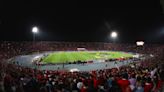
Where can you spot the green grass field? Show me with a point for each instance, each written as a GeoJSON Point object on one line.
{"type": "Point", "coordinates": [73, 56]}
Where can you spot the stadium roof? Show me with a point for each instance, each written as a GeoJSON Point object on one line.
{"type": "Point", "coordinates": [65, 21]}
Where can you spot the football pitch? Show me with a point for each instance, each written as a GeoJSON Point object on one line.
{"type": "Point", "coordinates": [83, 56]}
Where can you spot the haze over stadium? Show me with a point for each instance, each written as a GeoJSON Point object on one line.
{"type": "Point", "coordinates": [61, 47]}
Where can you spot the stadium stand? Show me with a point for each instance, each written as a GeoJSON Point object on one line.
{"type": "Point", "coordinates": [145, 76]}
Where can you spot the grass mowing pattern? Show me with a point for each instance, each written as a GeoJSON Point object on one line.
{"type": "Point", "coordinates": [73, 56]}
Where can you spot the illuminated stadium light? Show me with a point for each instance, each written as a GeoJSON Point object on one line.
{"type": "Point", "coordinates": [114, 34]}
{"type": "Point", "coordinates": [140, 43]}
{"type": "Point", "coordinates": [35, 30]}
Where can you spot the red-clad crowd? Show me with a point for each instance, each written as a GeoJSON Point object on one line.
{"type": "Point", "coordinates": [144, 76]}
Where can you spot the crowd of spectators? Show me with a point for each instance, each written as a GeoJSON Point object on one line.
{"type": "Point", "coordinates": [144, 76]}
{"type": "Point", "coordinates": [10, 49]}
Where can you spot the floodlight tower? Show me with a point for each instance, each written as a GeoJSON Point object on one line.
{"type": "Point", "coordinates": [113, 35]}
{"type": "Point", "coordinates": [34, 31]}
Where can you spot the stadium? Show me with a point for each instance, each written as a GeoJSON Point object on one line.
{"type": "Point", "coordinates": [46, 59]}
{"type": "Point", "coordinates": [66, 47]}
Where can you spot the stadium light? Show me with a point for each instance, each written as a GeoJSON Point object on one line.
{"type": "Point", "coordinates": [35, 30]}
{"type": "Point", "coordinates": [114, 34]}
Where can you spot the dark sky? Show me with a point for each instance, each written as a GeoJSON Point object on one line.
{"type": "Point", "coordinates": [83, 21]}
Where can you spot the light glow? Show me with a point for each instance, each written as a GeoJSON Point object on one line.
{"type": "Point", "coordinates": [113, 34]}
{"type": "Point", "coordinates": [35, 30]}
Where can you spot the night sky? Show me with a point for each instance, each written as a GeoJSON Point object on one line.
{"type": "Point", "coordinates": [83, 21]}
